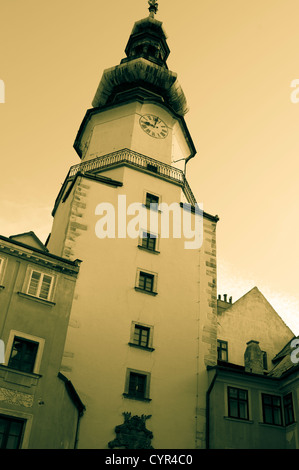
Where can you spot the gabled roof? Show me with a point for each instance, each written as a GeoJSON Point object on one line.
{"type": "Point", "coordinates": [283, 361]}
{"type": "Point", "coordinates": [255, 294]}
{"type": "Point", "coordinates": [30, 239]}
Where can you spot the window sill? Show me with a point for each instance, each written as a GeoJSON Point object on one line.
{"type": "Point", "coordinates": [151, 208]}
{"type": "Point", "coordinates": [146, 348]}
{"type": "Point", "coordinates": [277, 426]}
{"type": "Point", "coordinates": [37, 299]}
{"type": "Point", "coordinates": [132, 397]}
{"type": "Point", "coordinates": [154, 252]}
{"type": "Point", "coordinates": [238, 420]}
{"type": "Point", "coordinates": [138, 289]}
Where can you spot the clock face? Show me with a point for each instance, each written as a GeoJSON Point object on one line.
{"type": "Point", "coordinates": [153, 126]}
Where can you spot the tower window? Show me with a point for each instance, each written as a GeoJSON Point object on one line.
{"type": "Point", "coordinates": [23, 354]}
{"type": "Point", "coordinates": [152, 201]}
{"type": "Point", "coordinates": [146, 281]}
{"type": "Point", "coordinates": [141, 336]}
{"type": "Point", "coordinates": [137, 385]}
{"type": "Point", "coordinates": [149, 241]}
{"type": "Point", "coordinates": [11, 431]}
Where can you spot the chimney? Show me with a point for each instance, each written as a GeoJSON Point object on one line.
{"type": "Point", "coordinates": [253, 358]}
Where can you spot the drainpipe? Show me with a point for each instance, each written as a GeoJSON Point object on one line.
{"type": "Point", "coordinates": [80, 414]}
{"type": "Point", "coordinates": [208, 410]}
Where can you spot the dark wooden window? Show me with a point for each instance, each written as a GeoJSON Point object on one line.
{"type": "Point", "coordinates": [222, 350]}
{"type": "Point", "coordinates": [288, 409]}
{"type": "Point", "coordinates": [149, 241]}
{"type": "Point", "coordinates": [141, 335]}
{"type": "Point", "coordinates": [237, 403]}
{"type": "Point", "coordinates": [146, 281]}
{"type": "Point", "coordinates": [137, 385]}
{"type": "Point", "coordinates": [23, 354]}
{"type": "Point", "coordinates": [11, 431]}
{"type": "Point", "coordinates": [272, 412]}
{"type": "Point", "coordinates": [152, 201]}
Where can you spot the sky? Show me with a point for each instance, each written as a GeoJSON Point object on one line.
{"type": "Point", "coordinates": [235, 60]}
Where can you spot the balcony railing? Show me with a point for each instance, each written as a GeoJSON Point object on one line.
{"type": "Point", "coordinates": [140, 161]}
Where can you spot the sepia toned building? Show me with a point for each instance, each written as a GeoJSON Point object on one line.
{"type": "Point", "coordinates": [143, 325]}
{"type": "Point", "coordinates": [252, 399]}
{"type": "Point", "coordinates": [39, 407]}
{"type": "Point", "coordinates": [132, 349]}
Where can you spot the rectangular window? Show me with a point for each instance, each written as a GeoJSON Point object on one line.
{"type": "Point", "coordinates": [40, 285]}
{"type": "Point", "coordinates": [222, 350]}
{"type": "Point", "coordinates": [149, 241]}
{"type": "Point", "coordinates": [288, 409]}
{"type": "Point", "coordinates": [272, 412]}
{"type": "Point", "coordinates": [151, 201]}
{"type": "Point", "coordinates": [137, 385]}
{"type": "Point", "coordinates": [23, 354]}
{"type": "Point", "coordinates": [11, 431]}
{"type": "Point", "coordinates": [141, 336]}
{"type": "Point", "coordinates": [146, 281]}
{"type": "Point", "coordinates": [237, 403]}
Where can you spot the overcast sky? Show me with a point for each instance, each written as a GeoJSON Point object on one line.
{"type": "Point", "coordinates": [235, 61]}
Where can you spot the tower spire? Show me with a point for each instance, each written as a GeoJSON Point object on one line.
{"type": "Point", "coordinates": [153, 8]}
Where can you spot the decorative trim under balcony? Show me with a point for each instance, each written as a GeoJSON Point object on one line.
{"type": "Point", "coordinates": [143, 162]}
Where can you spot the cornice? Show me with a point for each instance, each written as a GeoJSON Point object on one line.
{"type": "Point", "coordinates": [42, 258]}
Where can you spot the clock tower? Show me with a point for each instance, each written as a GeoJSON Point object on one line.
{"type": "Point", "coordinates": [143, 324]}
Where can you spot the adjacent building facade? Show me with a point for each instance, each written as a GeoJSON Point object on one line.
{"type": "Point", "coordinates": [39, 407]}
{"type": "Point", "coordinates": [252, 399]}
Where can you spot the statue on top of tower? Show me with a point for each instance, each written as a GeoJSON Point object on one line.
{"type": "Point", "coordinates": [153, 7]}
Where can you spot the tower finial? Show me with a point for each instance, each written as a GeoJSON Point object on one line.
{"type": "Point", "coordinates": [153, 7]}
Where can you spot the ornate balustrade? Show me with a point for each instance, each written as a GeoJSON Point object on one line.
{"type": "Point", "coordinates": [138, 160]}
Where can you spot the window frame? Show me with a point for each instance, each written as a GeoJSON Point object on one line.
{"type": "Point", "coordinates": [146, 394]}
{"type": "Point", "coordinates": [23, 352]}
{"type": "Point", "coordinates": [147, 275]}
{"type": "Point", "coordinates": [9, 420]}
{"type": "Point", "coordinates": [149, 328]}
{"type": "Point", "coordinates": [286, 409]}
{"type": "Point", "coordinates": [152, 196]}
{"type": "Point", "coordinates": [40, 284]}
{"type": "Point", "coordinates": [149, 236]}
{"type": "Point", "coordinates": [272, 407]}
{"type": "Point", "coordinates": [239, 401]}
{"type": "Point", "coordinates": [19, 334]}
{"type": "Point", "coordinates": [220, 349]}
